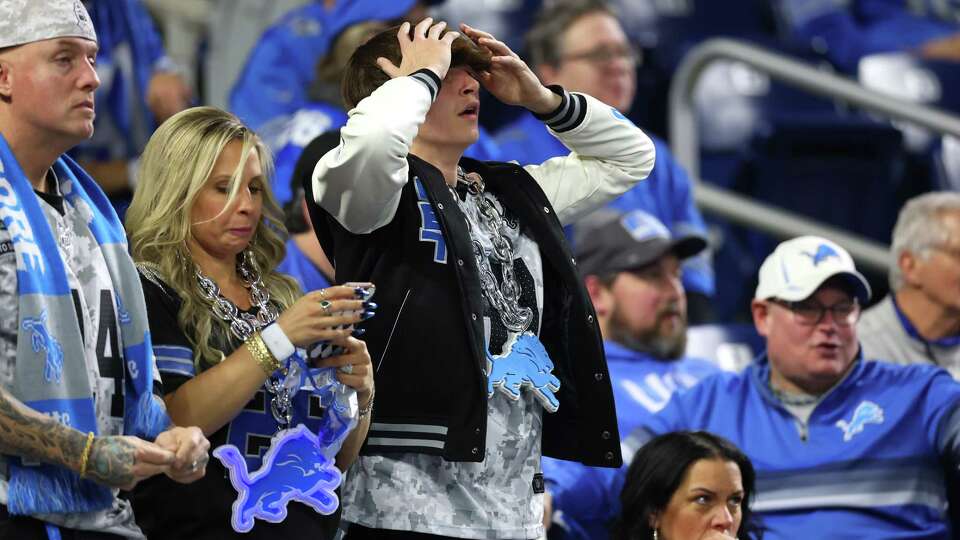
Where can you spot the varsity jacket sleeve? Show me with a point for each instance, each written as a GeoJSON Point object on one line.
{"type": "Point", "coordinates": [359, 182]}
{"type": "Point", "coordinates": [608, 156]}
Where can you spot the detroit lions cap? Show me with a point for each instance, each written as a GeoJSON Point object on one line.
{"type": "Point", "coordinates": [607, 242]}
{"type": "Point", "coordinates": [798, 267]}
{"type": "Point", "coordinates": [26, 21]}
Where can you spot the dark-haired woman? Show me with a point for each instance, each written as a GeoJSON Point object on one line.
{"type": "Point", "coordinates": [687, 486]}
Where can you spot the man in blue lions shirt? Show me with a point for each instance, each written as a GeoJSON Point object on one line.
{"type": "Point", "coordinates": [631, 268]}
{"type": "Point", "coordinates": [843, 448]}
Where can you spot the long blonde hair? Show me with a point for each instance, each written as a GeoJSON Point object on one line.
{"type": "Point", "coordinates": [174, 167]}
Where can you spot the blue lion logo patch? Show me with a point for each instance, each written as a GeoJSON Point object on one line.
{"type": "Point", "coordinates": [867, 412]}
{"type": "Point", "coordinates": [527, 364]}
{"type": "Point", "coordinates": [41, 340]}
{"type": "Point", "coordinates": [823, 253]}
{"type": "Point", "coordinates": [294, 469]}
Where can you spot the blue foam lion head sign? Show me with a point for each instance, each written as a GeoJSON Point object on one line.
{"type": "Point", "coordinates": [299, 465]}
{"type": "Point", "coordinates": [294, 469]}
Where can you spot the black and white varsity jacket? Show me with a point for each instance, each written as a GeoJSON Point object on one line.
{"type": "Point", "coordinates": [427, 341]}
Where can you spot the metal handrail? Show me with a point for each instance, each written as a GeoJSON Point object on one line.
{"type": "Point", "coordinates": [685, 141]}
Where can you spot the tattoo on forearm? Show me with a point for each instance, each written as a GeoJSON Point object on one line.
{"type": "Point", "coordinates": [111, 461]}
{"type": "Point", "coordinates": [35, 437]}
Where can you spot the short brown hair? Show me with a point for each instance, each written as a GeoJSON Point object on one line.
{"type": "Point", "coordinates": [362, 75]}
{"type": "Point", "coordinates": [544, 40]}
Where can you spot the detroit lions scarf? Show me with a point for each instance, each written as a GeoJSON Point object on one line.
{"type": "Point", "coordinates": [51, 372]}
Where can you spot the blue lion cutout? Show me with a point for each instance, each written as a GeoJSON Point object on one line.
{"type": "Point", "coordinates": [294, 468]}
{"type": "Point", "coordinates": [527, 364]}
{"type": "Point", "coordinates": [43, 341]}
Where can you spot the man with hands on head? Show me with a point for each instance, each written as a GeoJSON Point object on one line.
{"type": "Point", "coordinates": [487, 352]}
{"type": "Point", "coordinates": [77, 376]}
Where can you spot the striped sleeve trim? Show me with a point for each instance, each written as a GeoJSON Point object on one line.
{"type": "Point", "coordinates": [430, 80]}
{"type": "Point", "coordinates": [174, 360]}
{"type": "Point", "coordinates": [569, 114]}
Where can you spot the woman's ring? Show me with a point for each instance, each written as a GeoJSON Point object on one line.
{"type": "Point", "coordinates": [193, 466]}
{"type": "Point", "coordinates": [325, 306]}
{"type": "Point", "coordinates": [348, 369]}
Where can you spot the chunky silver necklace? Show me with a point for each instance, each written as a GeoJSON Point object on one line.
{"type": "Point", "coordinates": [242, 324]}
{"type": "Point", "coordinates": [505, 296]}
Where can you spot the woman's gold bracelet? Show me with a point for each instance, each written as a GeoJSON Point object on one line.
{"type": "Point", "coordinates": [85, 456]}
{"type": "Point", "coordinates": [263, 356]}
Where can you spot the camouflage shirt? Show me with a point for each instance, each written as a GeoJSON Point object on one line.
{"type": "Point", "coordinates": [493, 498]}
{"type": "Point", "coordinates": [89, 281]}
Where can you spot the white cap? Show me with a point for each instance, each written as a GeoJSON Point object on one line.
{"type": "Point", "coordinates": [26, 21]}
{"type": "Point", "coordinates": [797, 268]}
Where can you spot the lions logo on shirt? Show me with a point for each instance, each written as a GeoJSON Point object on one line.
{"type": "Point", "coordinates": [867, 412]}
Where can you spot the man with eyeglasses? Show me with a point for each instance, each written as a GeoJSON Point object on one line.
{"type": "Point", "coordinates": [581, 45]}
{"type": "Point", "coordinates": [843, 448]}
{"type": "Point", "coordinates": [919, 322]}
{"type": "Point", "coordinates": [630, 265]}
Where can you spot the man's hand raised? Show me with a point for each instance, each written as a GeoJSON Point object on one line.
{"type": "Point", "coordinates": [509, 78]}
{"type": "Point", "coordinates": [426, 49]}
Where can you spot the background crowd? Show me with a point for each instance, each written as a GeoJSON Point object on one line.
{"type": "Point", "coordinates": [782, 335]}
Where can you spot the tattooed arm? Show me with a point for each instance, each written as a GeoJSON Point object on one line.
{"type": "Point", "coordinates": [115, 461]}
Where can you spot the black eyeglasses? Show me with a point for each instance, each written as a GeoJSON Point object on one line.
{"type": "Point", "coordinates": [602, 55]}
{"type": "Point", "coordinates": [811, 313]}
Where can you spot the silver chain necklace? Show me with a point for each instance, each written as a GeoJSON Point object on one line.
{"type": "Point", "coordinates": [505, 297]}
{"type": "Point", "coordinates": [243, 325]}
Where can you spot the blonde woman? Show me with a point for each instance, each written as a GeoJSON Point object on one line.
{"type": "Point", "coordinates": [207, 234]}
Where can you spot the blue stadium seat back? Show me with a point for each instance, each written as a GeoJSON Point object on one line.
{"type": "Point", "coordinates": [734, 101]}
{"type": "Point", "coordinates": [947, 75]}
{"type": "Point", "coordinates": [825, 167]}
{"type": "Point", "coordinates": [783, 100]}
{"type": "Point", "coordinates": [735, 266]}
{"type": "Point", "coordinates": [731, 346]}
{"type": "Point", "coordinates": [722, 168]}
{"type": "Point", "coordinates": [687, 23]}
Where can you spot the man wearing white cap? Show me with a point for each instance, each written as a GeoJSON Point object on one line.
{"type": "Point", "coordinates": [842, 448]}
{"type": "Point", "coordinates": [77, 403]}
